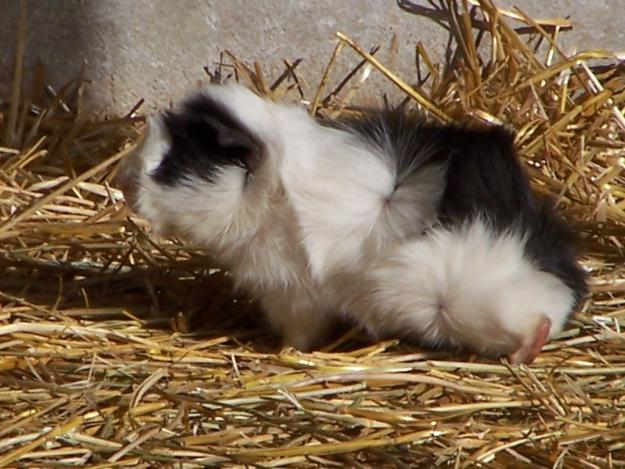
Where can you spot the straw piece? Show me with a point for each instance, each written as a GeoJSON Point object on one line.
{"type": "Point", "coordinates": [401, 84]}
{"type": "Point", "coordinates": [59, 430]}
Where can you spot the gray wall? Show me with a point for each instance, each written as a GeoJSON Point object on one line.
{"type": "Point", "coordinates": [155, 49]}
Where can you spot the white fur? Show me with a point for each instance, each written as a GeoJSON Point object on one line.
{"type": "Point", "coordinates": [468, 287]}
{"type": "Point", "coordinates": [338, 188]}
{"type": "Point", "coordinates": [321, 228]}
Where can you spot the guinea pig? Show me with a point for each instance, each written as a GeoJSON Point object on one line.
{"type": "Point", "coordinates": [406, 227]}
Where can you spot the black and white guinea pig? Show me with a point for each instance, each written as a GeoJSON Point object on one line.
{"type": "Point", "coordinates": [409, 228]}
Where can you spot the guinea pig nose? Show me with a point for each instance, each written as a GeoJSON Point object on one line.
{"type": "Point", "coordinates": [532, 345]}
{"type": "Point", "coordinates": [127, 180]}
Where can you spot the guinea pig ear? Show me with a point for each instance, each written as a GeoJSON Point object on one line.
{"type": "Point", "coordinates": [202, 141]}
{"type": "Point", "coordinates": [236, 138]}
{"type": "Point", "coordinates": [221, 120]}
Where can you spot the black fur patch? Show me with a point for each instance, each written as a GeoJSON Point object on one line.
{"type": "Point", "coordinates": [408, 138]}
{"type": "Point", "coordinates": [552, 246]}
{"type": "Point", "coordinates": [484, 177]}
{"type": "Point", "coordinates": [205, 136]}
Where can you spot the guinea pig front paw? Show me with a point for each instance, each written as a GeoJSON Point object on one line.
{"type": "Point", "coordinates": [302, 338]}
{"type": "Point", "coordinates": [302, 326]}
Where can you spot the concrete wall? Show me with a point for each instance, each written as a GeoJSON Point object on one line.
{"type": "Point", "coordinates": [155, 49]}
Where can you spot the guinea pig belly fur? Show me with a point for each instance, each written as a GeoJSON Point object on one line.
{"type": "Point", "coordinates": [406, 227]}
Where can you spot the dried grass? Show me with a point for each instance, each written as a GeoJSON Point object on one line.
{"type": "Point", "coordinates": [118, 351]}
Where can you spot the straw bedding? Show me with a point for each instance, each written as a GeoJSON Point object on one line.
{"type": "Point", "coordinates": [120, 350]}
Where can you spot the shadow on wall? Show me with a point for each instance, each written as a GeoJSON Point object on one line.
{"type": "Point", "coordinates": [156, 49]}
{"type": "Point", "coordinates": [66, 38]}
{"type": "Point", "coordinates": [56, 45]}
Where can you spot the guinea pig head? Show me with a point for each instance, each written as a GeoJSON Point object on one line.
{"type": "Point", "coordinates": [201, 173]}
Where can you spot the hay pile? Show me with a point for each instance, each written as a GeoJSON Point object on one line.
{"type": "Point", "coordinates": [99, 364]}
